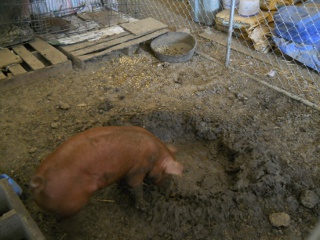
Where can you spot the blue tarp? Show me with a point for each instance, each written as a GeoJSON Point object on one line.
{"type": "Point", "coordinates": [297, 31]}
{"type": "Point", "coordinates": [306, 54]}
{"type": "Point", "coordinates": [298, 24]}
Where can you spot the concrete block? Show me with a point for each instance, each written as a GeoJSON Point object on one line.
{"type": "Point", "coordinates": [15, 220]}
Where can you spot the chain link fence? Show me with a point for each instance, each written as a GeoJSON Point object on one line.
{"type": "Point", "coordinates": [275, 42]}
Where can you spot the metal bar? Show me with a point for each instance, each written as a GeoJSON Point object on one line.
{"type": "Point", "coordinates": [230, 31]}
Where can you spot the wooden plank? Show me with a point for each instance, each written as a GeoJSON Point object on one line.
{"type": "Point", "coordinates": [124, 45]}
{"type": "Point", "coordinates": [35, 76]}
{"type": "Point", "coordinates": [49, 52]}
{"type": "Point", "coordinates": [2, 76]}
{"type": "Point", "coordinates": [28, 57]}
{"type": "Point", "coordinates": [242, 23]}
{"type": "Point", "coordinates": [94, 35]}
{"type": "Point", "coordinates": [143, 26]}
{"type": "Point", "coordinates": [7, 57]}
{"type": "Point", "coordinates": [84, 16]}
{"type": "Point", "coordinates": [104, 45]}
{"type": "Point", "coordinates": [76, 61]}
{"type": "Point", "coordinates": [74, 47]}
{"type": "Point", "coordinates": [17, 69]}
{"type": "Point", "coordinates": [104, 18]}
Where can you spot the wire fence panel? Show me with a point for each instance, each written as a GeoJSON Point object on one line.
{"type": "Point", "coordinates": [274, 41]}
{"type": "Point", "coordinates": [14, 22]}
{"type": "Point", "coordinates": [277, 41]}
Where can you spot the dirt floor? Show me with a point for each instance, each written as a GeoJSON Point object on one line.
{"type": "Point", "coordinates": [251, 155]}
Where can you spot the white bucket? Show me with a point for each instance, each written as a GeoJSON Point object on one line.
{"type": "Point", "coordinates": [249, 8]}
{"type": "Point", "coordinates": [227, 4]}
{"type": "Point", "coordinates": [204, 11]}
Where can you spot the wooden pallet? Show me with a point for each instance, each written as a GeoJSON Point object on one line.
{"type": "Point", "coordinates": [28, 57]}
{"type": "Point", "coordinates": [134, 34]}
{"type": "Point", "coordinates": [25, 59]}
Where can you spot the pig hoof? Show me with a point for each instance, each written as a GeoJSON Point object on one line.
{"type": "Point", "coordinates": [143, 206]}
{"type": "Point", "coordinates": [168, 195]}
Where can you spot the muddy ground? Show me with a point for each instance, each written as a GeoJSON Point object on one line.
{"type": "Point", "coordinates": [251, 155]}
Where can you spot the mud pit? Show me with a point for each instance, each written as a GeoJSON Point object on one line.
{"type": "Point", "coordinates": [248, 151]}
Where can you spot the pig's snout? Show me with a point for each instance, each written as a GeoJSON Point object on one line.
{"type": "Point", "coordinates": [36, 184]}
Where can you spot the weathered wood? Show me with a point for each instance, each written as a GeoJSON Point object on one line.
{"type": "Point", "coordinates": [16, 69]}
{"type": "Point", "coordinates": [84, 16]}
{"type": "Point", "coordinates": [104, 18]}
{"type": "Point", "coordinates": [75, 60]}
{"type": "Point", "coordinates": [92, 36]}
{"type": "Point", "coordinates": [245, 24]}
{"type": "Point", "coordinates": [53, 55]}
{"type": "Point", "coordinates": [7, 58]}
{"type": "Point", "coordinates": [12, 82]}
{"type": "Point", "coordinates": [124, 45]}
{"type": "Point", "coordinates": [144, 26]}
{"type": "Point", "coordinates": [2, 76]}
{"type": "Point", "coordinates": [104, 45]}
{"type": "Point", "coordinates": [28, 57]}
{"type": "Point", "coordinates": [77, 46]}
{"type": "Point", "coordinates": [275, 4]}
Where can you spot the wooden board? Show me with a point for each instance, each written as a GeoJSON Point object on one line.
{"type": "Point", "coordinates": [104, 18]}
{"type": "Point", "coordinates": [275, 4]}
{"type": "Point", "coordinates": [243, 23]}
{"type": "Point", "coordinates": [270, 18]}
{"type": "Point", "coordinates": [7, 58]}
{"type": "Point", "coordinates": [124, 45]}
{"type": "Point", "coordinates": [33, 59]}
{"type": "Point", "coordinates": [143, 26]}
{"type": "Point", "coordinates": [17, 69]}
{"type": "Point", "coordinates": [104, 45]}
{"type": "Point", "coordinates": [12, 82]}
{"type": "Point", "coordinates": [53, 55]}
{"type": "Point", "coordinates": [74, 47]}
{"type": "Point", "coordinates": [91, 36]}
{"type": "Point", "coordinates": [28, 57]}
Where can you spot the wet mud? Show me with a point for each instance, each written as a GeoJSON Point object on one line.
{"type": "Point", "coordinates": [250, 154]}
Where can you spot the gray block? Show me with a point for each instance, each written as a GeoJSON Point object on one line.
{"type": "Point", "coordinates": [15, 221]}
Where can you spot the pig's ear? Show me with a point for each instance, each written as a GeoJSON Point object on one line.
{"type": "Point", "coordinates": [173, 167]}
{"type": "Point", "coordinates": [37, 183]}
{"type": "Point", "coordinates": [172, 148]}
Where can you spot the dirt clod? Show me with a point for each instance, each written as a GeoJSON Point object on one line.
{"type": "Point", "coordinates": [280, 219]}
{"type": "Point", "coordinates": [309, 199]}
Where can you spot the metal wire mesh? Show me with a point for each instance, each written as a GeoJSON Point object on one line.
{"type": "Point", "coordinates": [278, 42]}
{"type": "Point", "coordinates": [51, 16]}
{"type": "Point", "coordinates": [14, 22]}
{"type": "Point", "coordinates": [254, 47]}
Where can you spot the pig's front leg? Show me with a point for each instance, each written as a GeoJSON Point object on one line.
{"type": "Point", "coordinates": [135, 181]}
{"type": "Point", "coordinates": [166, 186]}
{"type": "Point", "coordinates": [141, 204]}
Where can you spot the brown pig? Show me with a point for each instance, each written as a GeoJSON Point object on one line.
{"type": "Point", "coordinates": [95, 159]}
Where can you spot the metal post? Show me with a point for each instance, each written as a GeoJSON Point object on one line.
{"type": "Point", "coordinates": [233, 5]}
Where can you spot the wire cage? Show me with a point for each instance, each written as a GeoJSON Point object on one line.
{"type": "Point", "coordinates": [55, 16]}
{"type": "Point", "coordinates": [130, 8]}
{"type": "Point", "coordinates": [14, 22]}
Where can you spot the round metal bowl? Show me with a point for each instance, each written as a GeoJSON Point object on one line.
{"type": "Point", "coordinates": [174, 47]}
